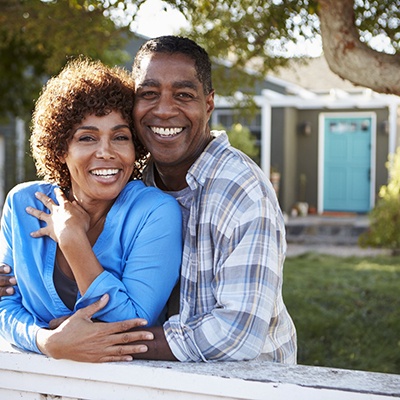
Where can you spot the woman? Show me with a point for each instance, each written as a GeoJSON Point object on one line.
{"type": "Point", "coordinates": [93, 226]}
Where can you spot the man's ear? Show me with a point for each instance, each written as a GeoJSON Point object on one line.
{"type": "Point", "coordinates": [210, 103]}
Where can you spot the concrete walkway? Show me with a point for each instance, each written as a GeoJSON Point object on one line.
{"type": "Point", "coordinates": [297, 249]}
{"type": "Point", "coordinates": [325, 234]}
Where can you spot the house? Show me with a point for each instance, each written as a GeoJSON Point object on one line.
{"type": "Point", "coordinates": [13, 149]}
{"type": "Point", "coordinates": [328, 140]}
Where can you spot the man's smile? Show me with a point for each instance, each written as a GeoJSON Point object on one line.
{"type": "Point", "coordinates": [166, 132]}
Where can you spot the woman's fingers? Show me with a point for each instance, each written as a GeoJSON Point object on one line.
{"type": "Point", "coordinates": [46, 200]}
{"type": "Point", "coordinates": [60, 196]}
{"type": "Point", "coordinates": [41, 215]}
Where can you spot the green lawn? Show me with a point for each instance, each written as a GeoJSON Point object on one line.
{"type": "Point", "coordinates": [346, 310]}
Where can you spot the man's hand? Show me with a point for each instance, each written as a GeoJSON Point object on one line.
{"type": "Point", "coordinates": [78, 338]}
{"type": "Point", "coordinates": [6, 282]}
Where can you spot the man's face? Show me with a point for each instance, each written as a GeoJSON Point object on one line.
{"type": "Point", "coordinates": [171, 111]}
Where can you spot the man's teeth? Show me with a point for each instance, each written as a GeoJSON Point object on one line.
{"type": "Point", "coordinates": [104, 172]}
{"type": "Point", "coordinates": [166, 131]}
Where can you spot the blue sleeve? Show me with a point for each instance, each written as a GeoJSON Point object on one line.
{"type": "Point", "coordinates": [17, 325]}
{"type": "Point", "coordinates": [151, 271]}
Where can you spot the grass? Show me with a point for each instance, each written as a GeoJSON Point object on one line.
{"type": "Point", "coordinates": [346, 310]}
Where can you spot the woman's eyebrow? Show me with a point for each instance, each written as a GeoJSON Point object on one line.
{"type": "Point", "coordinates": [87, 127]}
{"type": "Point", "coordinates": [95, 128]}
{"type": "Point", "coordinates": [120, 126]}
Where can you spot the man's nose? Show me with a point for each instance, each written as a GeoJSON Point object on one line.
{"type": "Point", "coordinates": [166, 107]}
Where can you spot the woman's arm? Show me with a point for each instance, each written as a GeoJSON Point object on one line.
{"type": "Point", "coordinates": [67, 224]}
{"type": "Point", "coordinates": [17, 325]}
{"type": "Point", "coordinates": [151, 257]}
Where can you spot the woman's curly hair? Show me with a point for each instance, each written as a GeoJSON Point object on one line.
{"type": "Point", "coordinates": [84, 87]}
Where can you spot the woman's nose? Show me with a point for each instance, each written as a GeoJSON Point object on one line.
{"type": "Point", "coordinates": [105, 150]}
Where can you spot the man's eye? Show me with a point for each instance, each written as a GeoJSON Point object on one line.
{"type": "Point", "coordinates": [185, 96]}
{"type": "Point", "coordinates": [148, 95]}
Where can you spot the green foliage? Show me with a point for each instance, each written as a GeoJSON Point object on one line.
{"type": "Point", "coordinates": [378, 17]}
{"type": "Point", "coordinates": [241, 138]}
{"type": "Point", "coordinates": [385, 217]}
{"type": "Point", "coordinates": [37, 38]}
{"type": "Point", "coordinates": [256, 34]}
{"type": "Point", "coordinates": [346, 311]}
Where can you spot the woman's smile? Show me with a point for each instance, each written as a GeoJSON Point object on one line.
{"type": "Point", "coordinates": [100, 157]}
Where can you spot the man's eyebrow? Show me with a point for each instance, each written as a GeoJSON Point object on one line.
{"type": "Point", "coordinates": [148, 83]}
{"type": "Point", "coordinates": [185, 84]}
{"type": "Point", "coordinates": [176, 85]}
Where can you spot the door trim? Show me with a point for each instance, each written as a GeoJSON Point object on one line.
{"type": "Point", "coordinates": [321, 153]}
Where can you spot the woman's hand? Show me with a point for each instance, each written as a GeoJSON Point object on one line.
{"type": "Point", "coordinates": [64, 219]}
{"type": "Point", "coordinates": [80, 339]}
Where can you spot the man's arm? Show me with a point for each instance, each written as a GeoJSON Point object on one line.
{"type": "Point", "coordinates": [6, 282]}
{"type": "Point", "coordinates": [158, 348]}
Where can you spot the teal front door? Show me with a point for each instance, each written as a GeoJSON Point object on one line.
{"type": "Point", "coordinates": [347, 164]}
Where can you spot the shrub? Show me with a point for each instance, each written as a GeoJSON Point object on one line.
{"type": "Point", "coordinates": [385, 216]}
{"type": "Point", "coordinates": [241, 138]}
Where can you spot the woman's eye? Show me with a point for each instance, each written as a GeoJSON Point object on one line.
{"type": "Point", "coordinates": [85, 138]}
{"type": "Point", "coordinates": [123, 137]}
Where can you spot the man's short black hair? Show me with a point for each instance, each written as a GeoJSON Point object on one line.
{"type": "Point", "coordinates": [177, 44]}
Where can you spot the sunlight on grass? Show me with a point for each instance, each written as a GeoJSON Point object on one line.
{"type": "Point", "coordinates": [370, 266]}
{"type": "Point", "coordinates": [346, 310]}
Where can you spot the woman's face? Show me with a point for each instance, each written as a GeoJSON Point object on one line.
{"type": "Point", "coordinates": [100, 157]}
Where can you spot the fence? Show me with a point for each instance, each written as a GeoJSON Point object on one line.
{"type": "Point", "coordinates": [36, 377]}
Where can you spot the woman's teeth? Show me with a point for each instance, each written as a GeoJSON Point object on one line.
{"type": "Point", "coordinates": [104, 172]}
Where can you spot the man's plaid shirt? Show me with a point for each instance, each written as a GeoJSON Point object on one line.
{"type": "Point", "coordinates": [231, 305]}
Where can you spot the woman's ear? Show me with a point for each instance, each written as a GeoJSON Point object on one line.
{"type": "Point", "coordinates": [61, 158]}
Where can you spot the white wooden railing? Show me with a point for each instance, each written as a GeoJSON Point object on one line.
{"type": "Point", "coordinates": [34, 377]}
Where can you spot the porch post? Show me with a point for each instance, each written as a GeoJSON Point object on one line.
{"type": "Point", "coordinates": [265, 135]}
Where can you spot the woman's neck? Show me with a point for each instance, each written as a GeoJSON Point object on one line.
{"type": "Point", "coordinates": [97, 210]}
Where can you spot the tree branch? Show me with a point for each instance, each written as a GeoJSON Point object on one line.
{"type": "Point", "coordinates": [350, 58]}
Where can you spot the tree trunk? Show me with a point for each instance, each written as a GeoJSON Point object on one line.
{"type": "Point", "coordinates": [350, 58]}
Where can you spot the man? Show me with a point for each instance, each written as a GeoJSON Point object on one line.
{"type": "Point", "coordinates": [231, 305]}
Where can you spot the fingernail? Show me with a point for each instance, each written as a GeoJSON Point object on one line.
{"type": "Point", "coordinates": [142, 349]}
{"type": "Point", "coordinates": [7, 269]}
{"type": "Point", "coordinates": [10, 290]}
{"type": "Point", "coordinates": [13, 281]}
{"type": "Point", "coordinates": [104, 297]}
{"type": "Point", "coordinates": [149, 336]}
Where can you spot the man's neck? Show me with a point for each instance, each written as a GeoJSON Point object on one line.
{"type": "Point", "coordinates": [170, 180]}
